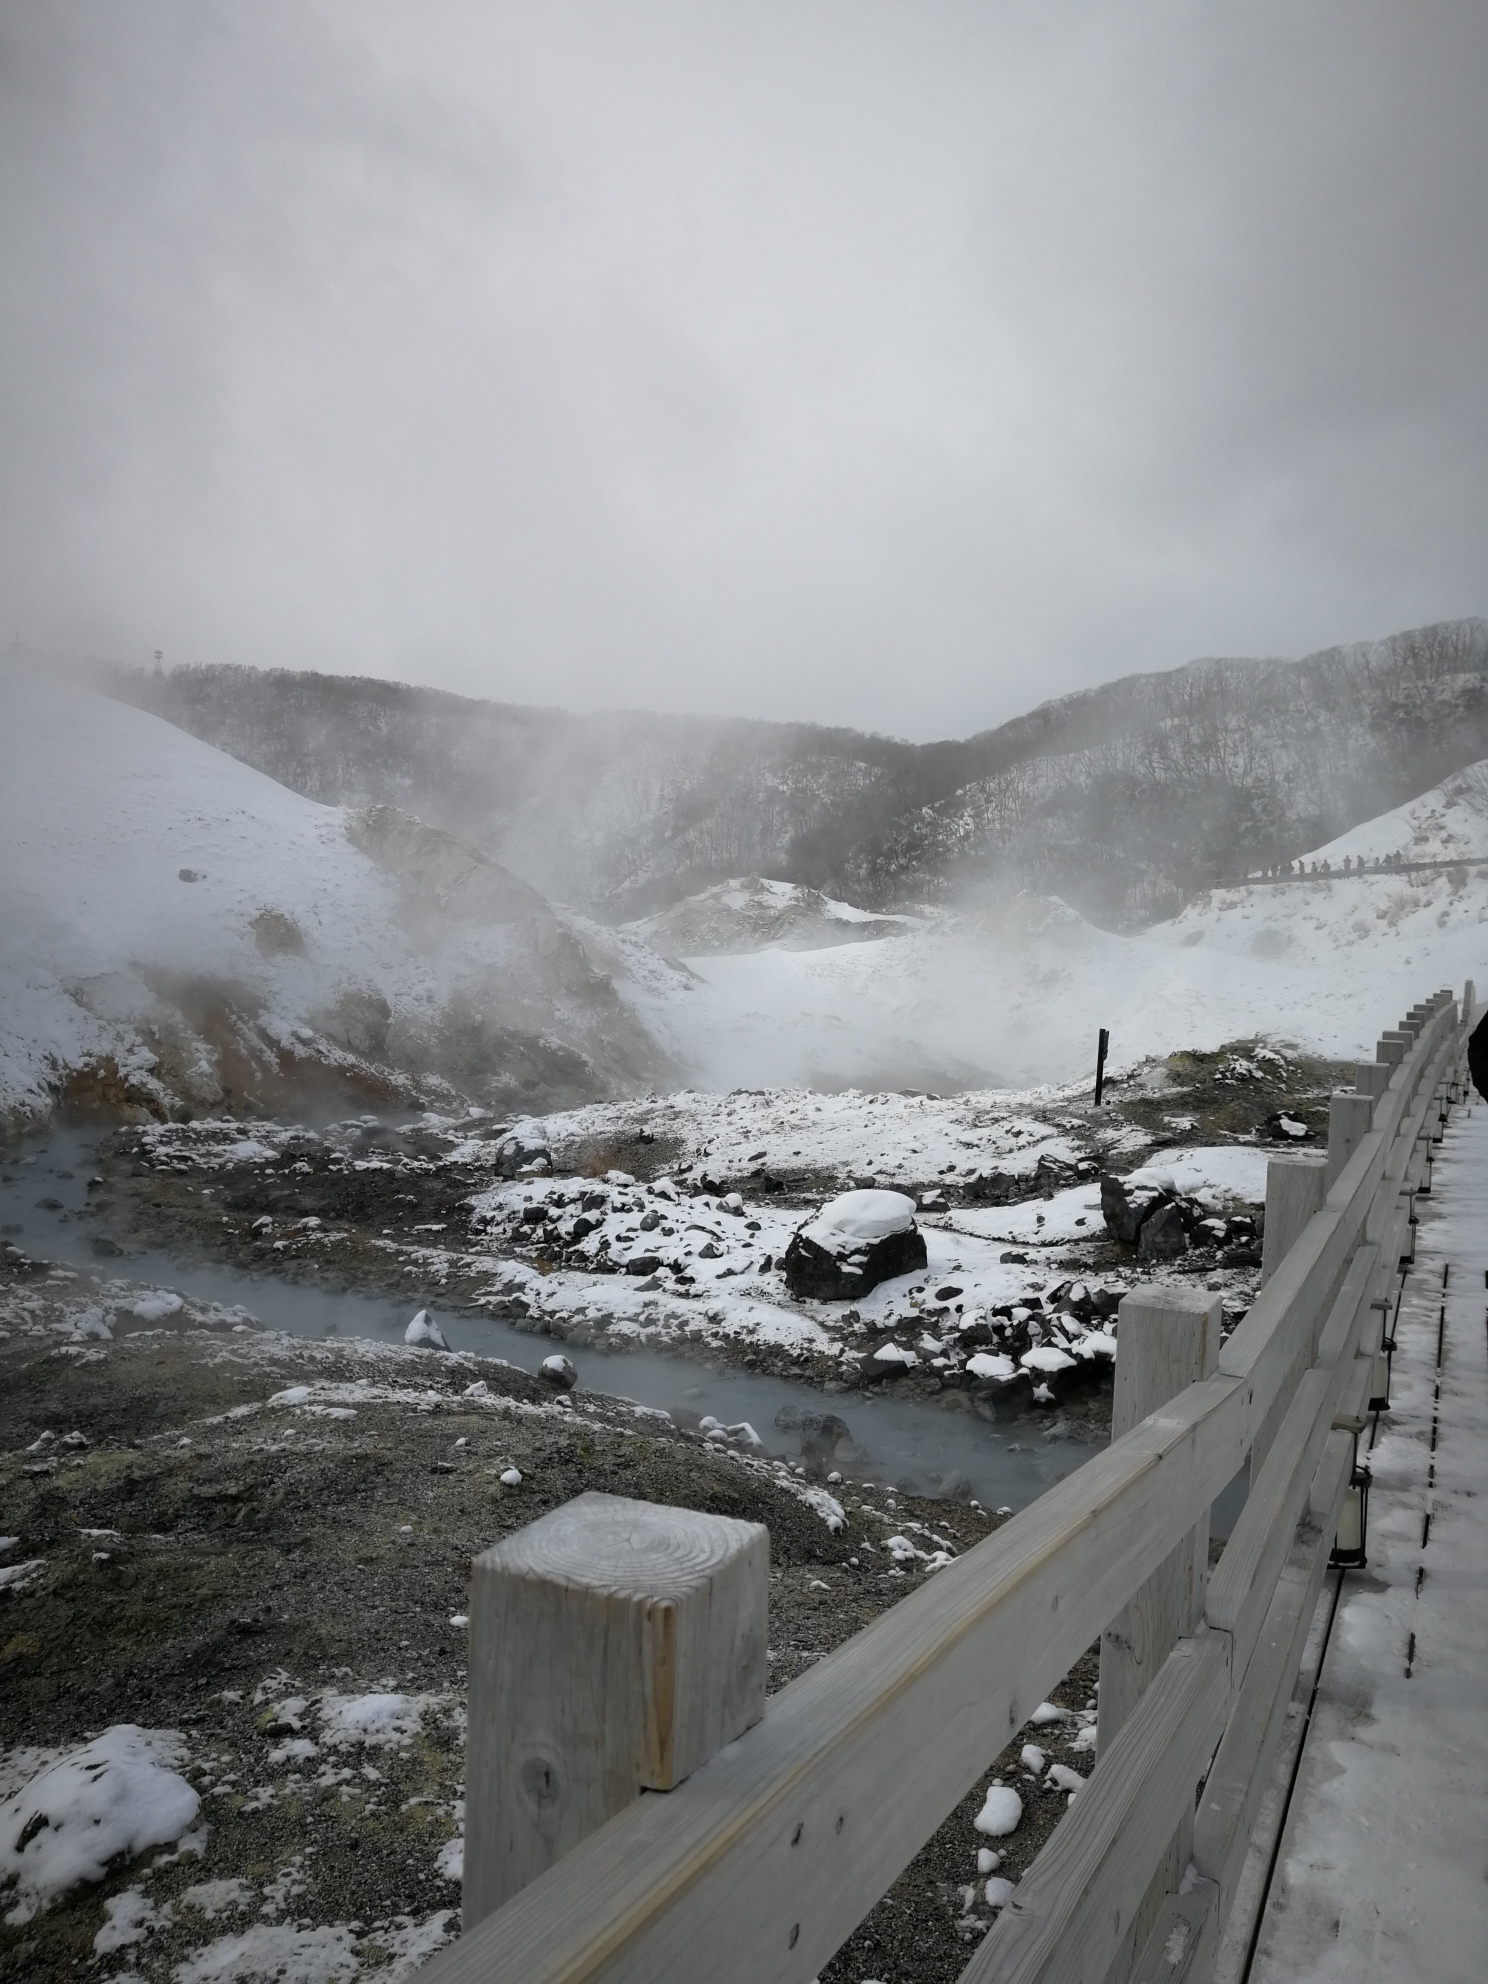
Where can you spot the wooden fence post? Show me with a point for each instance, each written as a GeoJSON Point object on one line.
{"type": "Point", "coordinates": [1166, 1340]}
{"type": "Point", "coordinates": [614, 1647]}
{"type": "Point", "coordinates": [1349, 1118]}
{"type": "Point", "coordinates": [1371, 1078]}
{"type": "Point", "coordinates": [1296, 1186]}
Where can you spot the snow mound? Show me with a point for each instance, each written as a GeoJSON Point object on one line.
{"type": "Point", "coordinates": [116, 1795]}
{"type": "Point", "coordinates": [1001, 1813]}
{"type": "Point", "coordinates": [860, 1216]}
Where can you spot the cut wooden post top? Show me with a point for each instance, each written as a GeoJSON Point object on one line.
{"type": "Point", "coordinates": [1167, 1339]}
{"type": "Point", "coordinates": [615, 1646]}
{"type": "Point", "coordinates": [624, 1549]}
{"type": "Point", "coordinates": [1349, 1118]}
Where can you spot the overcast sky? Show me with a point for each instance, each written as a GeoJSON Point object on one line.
{"type": "Point", "coordinates": [893, 365]}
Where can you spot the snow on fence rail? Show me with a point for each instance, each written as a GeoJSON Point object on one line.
{"type": "Point", "coordinates": [764, 1859]}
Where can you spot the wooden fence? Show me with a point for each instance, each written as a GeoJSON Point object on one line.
{"type": "Point", "coordinates": [760, 1863]}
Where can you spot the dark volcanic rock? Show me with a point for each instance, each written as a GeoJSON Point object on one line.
{"type": "Point", "coordinates": [1164, 1235]}
{"type": "Point", "coordinates": [1124, 1207]}
{"type": "Point", "coordinates": [833, 1276]}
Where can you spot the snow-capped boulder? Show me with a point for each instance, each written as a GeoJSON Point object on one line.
{"type": "Point", "coordinates": [854, 1243]}
{"type": "Point", "coordinates": [559, 1372]}
{"type": "Point", "coordinates": [424, 1333]}
{"type": "Point", "coordinates": [518, 1153]}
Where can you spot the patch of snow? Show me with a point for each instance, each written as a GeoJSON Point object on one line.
{"type": "Point", "coordinates": [214, 1898]}
{"type": "Point", "coordinates": [273, 1953]}
{"type": "Point", "coordinates": [128, 1918]}
{"type": "Point", "coordinates": [376, 1721]}
{"type": "Point", "coordinates": [116, 1795]}
{"type": "Point", "coordinates": [155, 1304]}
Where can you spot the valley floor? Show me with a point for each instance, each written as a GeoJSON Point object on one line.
{"type": "Point", "coordinates": [250, 1548]}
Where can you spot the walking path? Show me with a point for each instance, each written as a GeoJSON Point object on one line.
{"type": "Point", "coordinates": [1383, 1867]}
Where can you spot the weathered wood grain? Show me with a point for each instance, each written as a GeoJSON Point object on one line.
{"type": "Point", "coordinates": [1350, 1119]}
{"type": "Point", "coordinates": [614, 1646]}
{"type": "Point", "coordinates": [1167, 1339]}
{"type": "Point", "coordinates": [1296, 1185]}
{"type": "Point", "coordinates": [1243, 1581]}
{"type": "Point", "coordinates": [1237, 1782]}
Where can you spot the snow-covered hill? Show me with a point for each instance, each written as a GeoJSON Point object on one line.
{"type": "Point", "coordinates": [754, 914]}
{"type": "Point", "coordinates": [1014, 995]}
{"type": "Point", "coordinates": [183, 929]}
{"type": "Point", "coordinates": [1120, 799]}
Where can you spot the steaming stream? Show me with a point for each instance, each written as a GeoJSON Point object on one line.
{"type": "Point", "coordinates": [905, 1443]}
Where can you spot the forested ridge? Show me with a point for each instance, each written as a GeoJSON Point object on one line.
{"type": "Point", "coordinates": [1123, 799]}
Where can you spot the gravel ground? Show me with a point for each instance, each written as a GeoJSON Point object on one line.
{"type": "Point", "coordinates": [232, 1568]}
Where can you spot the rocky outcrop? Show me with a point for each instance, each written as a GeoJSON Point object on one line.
{"type": "Point", "coordinates": [1164, 1234]}
{"type": "Point", "coordinates": [1124, 1206]}
{"type": "Point", "coordinates": [1147, 1211]}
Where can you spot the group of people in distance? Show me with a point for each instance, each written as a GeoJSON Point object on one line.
{"type": "Point", "coordinates": [1358, 866]}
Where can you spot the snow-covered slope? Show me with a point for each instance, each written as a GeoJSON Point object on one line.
{"type": "Point", "coordinates": [185, 928]}
{"type": "Point", "coordinates": [754, 914]}
{"type": "Point", "coordinates": [1448, 823]}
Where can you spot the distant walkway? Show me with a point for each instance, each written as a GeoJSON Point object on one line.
{"type": "Point", "coordinates": [1383, 1870]}
{"type": "Point", "coordinates": [1357, 871]}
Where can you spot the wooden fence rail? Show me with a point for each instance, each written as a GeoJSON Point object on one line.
{"type": "Point", "coordinates": [761, 1863]}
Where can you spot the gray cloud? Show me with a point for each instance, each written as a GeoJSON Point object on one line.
{"type": "Point", "coordinates": [885, 364]}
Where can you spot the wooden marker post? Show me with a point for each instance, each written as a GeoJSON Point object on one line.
{"type": "Point", "coordinates": [1101, 1046]}
{"type": "Point", "coordinates": [614, 1647]}
{"type": "Point", "coordinates": [1166, 1340]}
